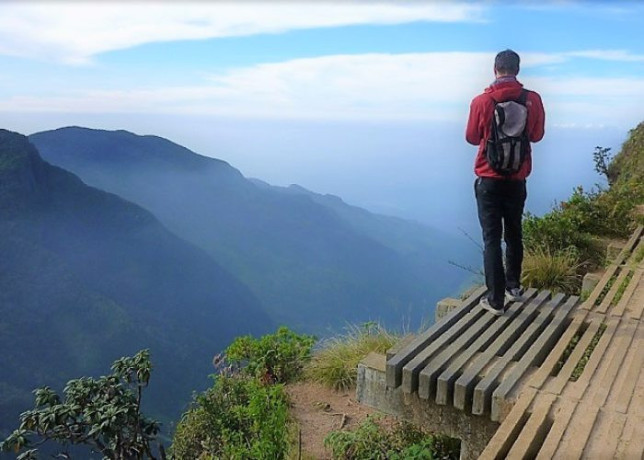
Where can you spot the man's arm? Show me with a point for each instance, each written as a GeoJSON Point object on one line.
{"type": "Point", "coordinates": [473, 132]}
{"type": "Point", "coordinates": [536, 118]}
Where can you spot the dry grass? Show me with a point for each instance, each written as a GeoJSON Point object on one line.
{"type": "Point", "coordinates": [335, 364]}
{"type": "Point", "coordinates": [557, 271]}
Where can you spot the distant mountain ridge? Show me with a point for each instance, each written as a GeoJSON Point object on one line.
{"type": "Point", "coordinates": [313, 261]}
{"type": "Point", "coordinates": [87, 277]}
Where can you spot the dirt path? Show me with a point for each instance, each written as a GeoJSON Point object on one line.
{"type": "Point", "coordinates": [319, 410]}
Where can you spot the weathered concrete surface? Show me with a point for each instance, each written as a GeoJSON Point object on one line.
{"type": "Point", "coordinates": [396, 363]}
{"type": "Point", "coordinates": [420, 358]}
{"type": "Point", "coordinates": [502, 400]}
{"type": "Point", "coordinates": [589, 282]}
{"type": "Point", "coordinates": [565, 378]}
{"type": "Point", "coordinates": [570, 411]}
{"type": "Point", "coordinates": [372, 390]}
{"type": "Point", "coordinates": [445, 306]}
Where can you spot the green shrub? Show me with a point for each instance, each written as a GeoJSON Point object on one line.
{"type": "Point", "coordinates": [103, 414]}
{"type": "Point", "coordinates": [582, 219]}
{"type": "Point", "coordinates": [238, 418]}
{"type": "Point", "coordinates": [566, 239]}
{"type": "Point", "coordinates": [556, 231]}
{"type": "Point", "coordinates": [604, 212]}
{"type": "Point", "coordinates": [246, 413]}
{"type": "Point", "coordinates": [277, 358]}
{"type": "Point", "coordinates": [556, 271]}
{"type": "Point", "coordinates": [335, 365]}
{"type": "Point", "coordinates": [401, 441]}
{"type": "Point", "coordinates": [629, 163]}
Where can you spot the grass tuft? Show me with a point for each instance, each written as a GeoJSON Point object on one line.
{"type": "Point", "coordinates": [557, 271]}
{"type": "Point", "coordinates": [402, 440]}
{"type": "Point", "coordinates": [335, 364]}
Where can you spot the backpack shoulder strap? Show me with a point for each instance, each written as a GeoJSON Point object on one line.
{"type": "Point", "coordinates": [523, 96]}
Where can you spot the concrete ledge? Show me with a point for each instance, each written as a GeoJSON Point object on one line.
{"type": "Point", "coordinates": [443, 307]}
{"type": "Point", "coordinates": [590, 281]}
{"type": "Point", "coordinates": [372, 390]}
{"type": "Point", "coordinates": [400, 344]}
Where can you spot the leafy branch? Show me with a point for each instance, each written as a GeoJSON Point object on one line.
{"type": "Point", "coordinates": [104, 414]}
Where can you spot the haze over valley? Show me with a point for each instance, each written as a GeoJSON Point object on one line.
{"type": "Point", "coordinates": [175, 175]}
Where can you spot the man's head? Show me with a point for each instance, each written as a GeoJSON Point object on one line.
{"type": "Point", "coordinates": [506, 63]}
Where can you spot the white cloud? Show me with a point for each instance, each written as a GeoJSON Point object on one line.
{"type": "Point", "coordinates": [424, 86]}
{"type": "Point", "coordinates": [73, 32]}
{"type": "Point", "coordinates": [608, 55]}
{"type": "Point", "coordinates": [592, 89]}
{"type": "Point", "coordinates": [430, 85]}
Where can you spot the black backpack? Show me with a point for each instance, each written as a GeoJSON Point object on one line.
{"type": "Point", "coordinates": [508, 144]}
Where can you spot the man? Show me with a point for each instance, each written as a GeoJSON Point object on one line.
{"type": "Point", "coordinates": [500, 197]}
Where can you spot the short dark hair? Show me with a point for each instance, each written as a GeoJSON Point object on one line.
{"type": "Point", "coordinates": [507, 61]}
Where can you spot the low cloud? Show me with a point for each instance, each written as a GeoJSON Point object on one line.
{"type": "Point", "coordinates": [414, 86]}
{"type": "Point", "coordinates": [73, 32]}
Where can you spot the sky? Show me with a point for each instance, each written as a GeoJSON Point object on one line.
{"type": "Point", "coordinates": [335, 96]}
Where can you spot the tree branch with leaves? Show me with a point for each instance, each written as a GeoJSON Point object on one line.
{"type": "Point", "coordinates": [103, 414]}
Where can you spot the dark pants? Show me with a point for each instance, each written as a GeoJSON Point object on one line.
{"type": "Point", "coordinates": [500, 208]}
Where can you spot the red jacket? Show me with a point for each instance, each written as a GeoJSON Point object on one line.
{"type": "Point", "coordinates": [480, 122]}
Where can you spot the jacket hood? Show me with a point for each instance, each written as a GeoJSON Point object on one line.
{"type": "Point", "coordinates": [504, 90]}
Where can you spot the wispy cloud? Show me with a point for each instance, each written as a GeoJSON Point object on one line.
{"type": "Point", "coordinates": [73, 32]}
{"type": "Point", "coordinates": [425, 86]}
{"type": "Point", "coordinates": [608, 55]}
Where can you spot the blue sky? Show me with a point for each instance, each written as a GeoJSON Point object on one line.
{"type": "Point", "coordinates": [357, 60]}
{"type": "Point", "coordinates": [319, 93]}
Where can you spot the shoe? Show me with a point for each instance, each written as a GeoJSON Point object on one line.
{"type": "Point", "coordinates": [486, 305]}
{"type": "Point", "coordinates": [514, 294]}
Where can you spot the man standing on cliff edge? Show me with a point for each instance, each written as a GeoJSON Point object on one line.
{"type": "Point", "coordinates": [500, 188]}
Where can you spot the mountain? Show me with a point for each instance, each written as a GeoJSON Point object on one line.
{"type": "Point", "coordinates": [313, 261]}
{"type": "Point", "coordinates": [87, 277]}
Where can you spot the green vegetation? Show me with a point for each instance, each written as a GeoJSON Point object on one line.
{"type": "Point", "coordinates": [246, 412]}
{"type": "Point", "coordinates": [639, 255]}
{"type": "Point", "coordinates": [275, 358]}
{"type": "Point", "coordinates": [628, 166]}
{"type": "Point", "coordinates": [581, 365]}
{"type": "Point", "coordinates": [622, 289]}
{"type": "Point", "coordinates": [556, 271]}
{"type": "Point", "coordinates": [82, 254]}
{"type": "Point", "coordinates": [239, 417]}
{"type": "Point", "coordinates": [602, 158]}
{"type": "Point", "coordinates": [569, 349]}
{"type": "Point", "coordinates": [336, 363]}
{"type": "Point", "coordinates": [87, 277]}
{"type": "Point", "coordinates": [569, 238]}
{"type": "Point", "coordinates": [607, 287]}
{"type": "Point", "coordinates": [104, 414]}
{"type": "Point", "coordinates": [402, 441]}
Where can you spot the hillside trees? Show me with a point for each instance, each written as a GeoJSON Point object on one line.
{"type": "Point", "coordinates": [573, 235]}
{"type": "Point", "coordinates": [103, 414]}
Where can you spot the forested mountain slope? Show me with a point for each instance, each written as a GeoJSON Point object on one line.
{"type": "Point", "coordinates": [87, 277]}
{"type": "Point", "coordinates": [314, 262]}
